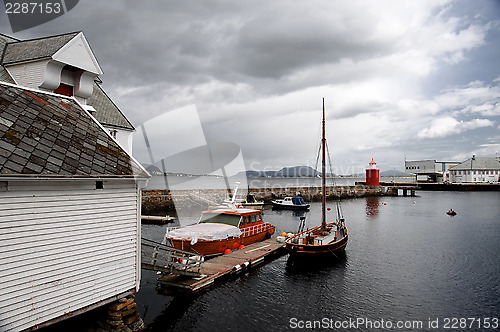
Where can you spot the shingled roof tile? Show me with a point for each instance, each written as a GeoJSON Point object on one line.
{"type": "Point", "coordinates": [56, 140]}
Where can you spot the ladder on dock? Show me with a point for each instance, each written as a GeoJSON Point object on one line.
{"type": "Point", "coordinates": [159, 257]}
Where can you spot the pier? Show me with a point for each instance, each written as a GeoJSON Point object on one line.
{"type": "Point", "coordinates": [207, 273]}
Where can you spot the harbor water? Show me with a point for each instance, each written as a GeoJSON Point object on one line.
{"type": "Point", "coordinates": [408, 266]}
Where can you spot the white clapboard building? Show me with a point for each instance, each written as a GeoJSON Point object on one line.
{"type": "Point", "coordinates": [477, 170]}
{"type": "Point", "coordinates": [70, 193]}
{"type": "Point", "coordinates": [69, 210]}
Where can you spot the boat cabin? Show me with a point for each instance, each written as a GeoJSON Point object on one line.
{"type": "Point", "coordinates": [240, 218]}
{"type": "Point", "coordinates": [295, 200]}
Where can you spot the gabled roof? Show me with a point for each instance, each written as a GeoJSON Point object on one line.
{"type": "Point", "coordinates": [35, 49]}
{"type": "Point", "coordinates": [71, 49]}
{"type": "Point", "coordinates": [108, 114]}
{"type": "Point", "coordinates": [47, 135]}
{"type": "Point", "coordinates": [478, 163]}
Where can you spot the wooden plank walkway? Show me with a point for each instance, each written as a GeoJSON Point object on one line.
{"type": "Point", "coordinates": [218, 268]}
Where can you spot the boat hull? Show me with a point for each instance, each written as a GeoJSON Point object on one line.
{"type": "Point", "coordinates": [278, 206]}
{"type": "Point", "coordinates": [334, 249]}
{"type": "Point", "coordinates": [256, 206]}
{"type": "Point", "coordinates": [217, 247]}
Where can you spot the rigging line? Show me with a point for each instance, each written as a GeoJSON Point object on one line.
{"type": "Point", "coordinates": [317, 159]}
{"type": "Point", "coordinates": [318, 148]}
{"type": "Point", "coordinates": [340, 214]}
{"type": "Point", "coordinates": [330, 164]}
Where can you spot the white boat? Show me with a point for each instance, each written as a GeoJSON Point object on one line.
{"type": "Point", "coordinates": [291, 203]}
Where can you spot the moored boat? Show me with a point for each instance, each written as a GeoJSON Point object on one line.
{"type": "Point", "coordinates": [249, 202]}
{"type": "Point", "coordinates": [219, 230]}
{"type": "Point", "coordinates": [329, 239]}
{"type": "Point", "coordinates": [290, 203]}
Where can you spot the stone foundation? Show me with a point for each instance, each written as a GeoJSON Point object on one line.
{"type": "Point", "coordinates": [123, 316]}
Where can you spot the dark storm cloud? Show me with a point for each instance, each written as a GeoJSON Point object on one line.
{"type": "Point", "coordinates": [257, 70]}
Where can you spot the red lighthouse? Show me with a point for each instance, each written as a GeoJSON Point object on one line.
{"type": "Point", "coordinates": [372, 174]}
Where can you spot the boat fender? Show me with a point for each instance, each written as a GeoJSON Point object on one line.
{"type": "Point", "coordinates": [227, 251]}
{"type": "Point", "coordinates": [237, 267]}
{"type": "Point", "coordinates": [246, 264]}
{"type": "Point", "coordinates": [241, 246]}
{"type": "Point", "coordinates": [268, 235]}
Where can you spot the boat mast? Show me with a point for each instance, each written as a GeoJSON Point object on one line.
{"type": "Point", "coordinates": [323, 172]}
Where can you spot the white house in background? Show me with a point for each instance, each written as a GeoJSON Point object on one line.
{"type": "Point", "coordinates": [429, 170]}
{"type": "Point", "coordinates": [64, 64]}
{"type": "Point", "coordinates": [70, 206]}
{"type": "Point", "coordinates": [477, 170]}
{"type": "Point", "coordinates": [70, 194]}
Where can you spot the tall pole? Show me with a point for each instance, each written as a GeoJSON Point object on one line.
{"type": "Point", "coordinates": [323, 172]}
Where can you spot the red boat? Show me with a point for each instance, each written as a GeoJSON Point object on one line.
{"type": "Point", "coordinates": [219, 230]}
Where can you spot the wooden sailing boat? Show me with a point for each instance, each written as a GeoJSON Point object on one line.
{"type": "Point", "coordinates": [328, 239]}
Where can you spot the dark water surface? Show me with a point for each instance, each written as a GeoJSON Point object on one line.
{"type": "Point", "coordinates": [407, 262]}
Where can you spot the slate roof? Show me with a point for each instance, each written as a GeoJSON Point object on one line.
{"type": "Point", "coordinates": [4, 75]}
{"type": "Point", "coordinates": [478, 163]}
{"type": "Point", "coordinates": [107, 112]}
{"type": "Point", "coordinates": [46, 135]}
{"type": "Point", "coordinates": [34, 49]}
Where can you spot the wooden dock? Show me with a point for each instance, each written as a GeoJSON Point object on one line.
{"type": "Point", "coordinates": [221, 267]}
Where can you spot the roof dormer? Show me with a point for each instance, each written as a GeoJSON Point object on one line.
{"type": "Point", "coordinates": [63, 64]}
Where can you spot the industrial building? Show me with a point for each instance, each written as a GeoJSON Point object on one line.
{"type": "Point", "coordinates": [430, 170]}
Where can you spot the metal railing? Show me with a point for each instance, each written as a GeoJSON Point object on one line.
{"type": "Point", "coordinates": [159, 257]}
{"type": "Point", "coordinates": [256, 229]}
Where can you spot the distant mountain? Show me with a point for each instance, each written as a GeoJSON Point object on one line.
{"type": "Point", "coordinates": [294, 171]}
{"type": "Point", "coordinates": [297, 171]}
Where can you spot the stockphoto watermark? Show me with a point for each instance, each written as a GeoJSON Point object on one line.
{"type": "Point", "coordinates": [173, 147]}
{"type": "Point", "coordinates": [31, 13]}
{"type": "Point", "coordinates": [355, 324]}
{"type": "Point", "coordinates": [364, 323]}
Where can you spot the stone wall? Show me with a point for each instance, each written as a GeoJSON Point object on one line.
{"type": "Point", "coordinates": [161, 201]}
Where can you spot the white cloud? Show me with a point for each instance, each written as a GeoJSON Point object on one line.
{"type": "Point", "coordinates": [448, 126]}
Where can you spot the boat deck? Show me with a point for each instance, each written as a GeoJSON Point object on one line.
{"type": "Point", "coordinates": [218, 268]}
{"type": "Point", "coordinates": [320, 240]}
{"type": "Point", "coordinates": [323, 239]}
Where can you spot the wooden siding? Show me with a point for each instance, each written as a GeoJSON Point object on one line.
{"type": "Point", "coordinates": [29, 74]}
{"type": "Point", "coordinates": [62, 250]}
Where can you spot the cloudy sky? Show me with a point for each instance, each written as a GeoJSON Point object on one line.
{"type": "Point", "coordinates": [401, 79]}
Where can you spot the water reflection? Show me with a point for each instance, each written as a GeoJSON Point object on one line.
{"type": "Point", "coordinates": [297, 266]}
{"type": "Point", "coordinates": [173, 314]}
{"type": "Point", "coordinates": [372, 204]}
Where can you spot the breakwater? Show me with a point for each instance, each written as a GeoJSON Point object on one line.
{"type": "Point", "coordinates": [163, 201]}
